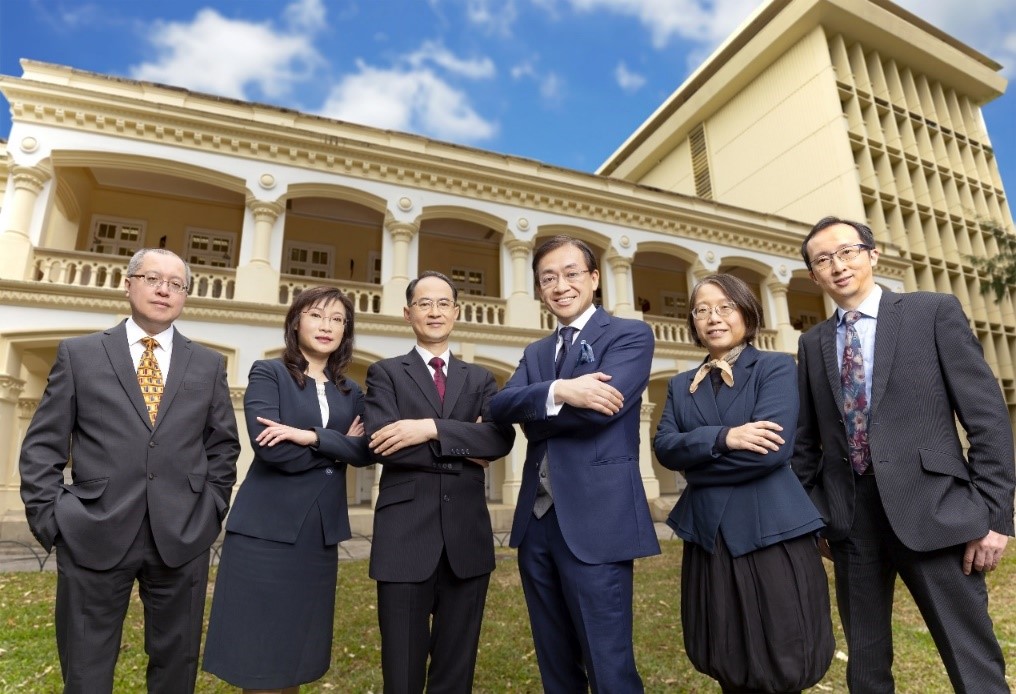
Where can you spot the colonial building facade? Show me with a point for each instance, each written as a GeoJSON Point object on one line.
{"type": "Point", "coordinates": [794, 117]}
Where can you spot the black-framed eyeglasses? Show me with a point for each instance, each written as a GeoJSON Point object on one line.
{"type": "Point", "coordinates": [702, 313]}
{"type": "Point", "coordinates": [155, 281]}
{"type": "Point", "coordinates": [426, 305]}
{"type": "Point", "coordinates": [845, 255]}
{"type": "Point", "coordinates": [550, 279]}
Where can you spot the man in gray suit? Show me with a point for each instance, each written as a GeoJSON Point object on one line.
{"type": "Point", "coordinates": [152, 475]}
{"type": "Point", "coordinates": [882, 383]}
{"type": "Point", "coordinates": [427, 416]}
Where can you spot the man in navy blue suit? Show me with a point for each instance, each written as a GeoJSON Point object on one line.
{"type": "Point", "coordinates": [582, 515]}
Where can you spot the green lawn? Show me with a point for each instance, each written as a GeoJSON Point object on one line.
{"type": "Point", "coordinates": [28, 660]}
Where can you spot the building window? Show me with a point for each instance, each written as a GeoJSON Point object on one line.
{"type": "Point", "coordinates": [210, 248]}
{"type": "Point", "coordinates": [469, 281]}
{"type": "Point", "coordinates": [113, 236]}
{"type": "Point", "coordinates": [308, 260]}
{"type": "Point", "coordinates": [374, 267]}
{"type": "Point", "coordinates": [675, 305]}
{"type": "Point", "coordinates": [700, 162]}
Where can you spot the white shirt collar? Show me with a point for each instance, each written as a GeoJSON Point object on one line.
{"type": "Point", "coordinates": [135, 333]}
{"type": "Point", "coordinates": [580, 321]}
{"type": "Point", "coordinates": [427, 356]}
{"type": "Point", "coordinates": [868, 307]}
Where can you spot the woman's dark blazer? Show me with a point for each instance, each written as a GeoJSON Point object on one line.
{"type": "Point", "coordinates": [284, 480]}
{"type": "Point", "coordinates": [755, 500]}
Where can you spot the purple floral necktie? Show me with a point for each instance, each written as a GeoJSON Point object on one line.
{"type": "Point", "coordinates": [855, 400]}
{"type": "Point", "coordinates": [437, 363]}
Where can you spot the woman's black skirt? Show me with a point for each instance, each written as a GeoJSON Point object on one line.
{"type": "Point", "coordinates": [758, 622]}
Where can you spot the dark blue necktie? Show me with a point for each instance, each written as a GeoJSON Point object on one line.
{"type": "Point", "coordinates": [567, 335]}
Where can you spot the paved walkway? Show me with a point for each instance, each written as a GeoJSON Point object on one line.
{"type": "Point", "coordinates": [25, 556]}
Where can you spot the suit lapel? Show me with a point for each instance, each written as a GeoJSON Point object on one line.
{"type": "Point", "coordinates": [181, 358]}
{"type": "Point", "coordinates": [887, 331]}
{"type": "Point", "coordinates": [595, 328]}
{"type": "Point", "coordinates": [705, 401]}
{"type": "Point", "coordinates": [418, 371]}
{"type": "Point", "coordinates": [742, 369]}
{"type": "Point", "coordinates": [545, 356]}
{"type": "Point", "coordinates": [453, 385]}
{"type": "Point", "coordinates": [827, 342]}
{"type": "Point", "coordinates": [119, 353]}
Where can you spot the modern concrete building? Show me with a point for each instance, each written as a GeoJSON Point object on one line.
{"type": "Point", "coordinates": [813, 107]}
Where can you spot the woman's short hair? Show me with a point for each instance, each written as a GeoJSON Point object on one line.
{"type": "Point", "coordinates": [738, 293]}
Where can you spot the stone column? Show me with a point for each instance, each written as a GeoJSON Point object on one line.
{"type": "Point", "coordinates": [649, 481]}
{"type": "Point", "coordinates": [522, 310]}
{"type": "Point", "coordinates": [513, 465]}
{"type": "Point", "coordinates": [258, 280]}
{"type": "Point", "coordinates": [15, 414]}
{"type": "Point", "coordinates": [16, 242]}
{"type": "Point", "coordinates": [786, 334]}
{"type": "Point", "coordinates": [393, 296]}
{"type": "Point", "coordinates": [621, 285]}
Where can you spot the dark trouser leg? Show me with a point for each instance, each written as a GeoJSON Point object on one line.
{"type": "Point", "coordinates": [455, 630]}
{"type": "Point", "coordinates": [403, 612]}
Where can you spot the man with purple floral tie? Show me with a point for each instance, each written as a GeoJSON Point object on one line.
{"type": "Point", "coordinates": [882, 383]}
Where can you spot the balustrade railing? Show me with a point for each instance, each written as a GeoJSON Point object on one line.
{"type": "Point", "coordinates": [366, 297]}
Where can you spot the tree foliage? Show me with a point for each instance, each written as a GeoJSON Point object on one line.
{"type": "Point", "coordinates": [1000, 268]}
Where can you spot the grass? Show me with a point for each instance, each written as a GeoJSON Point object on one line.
{"type": "Point", "coordinates": [506, 661]}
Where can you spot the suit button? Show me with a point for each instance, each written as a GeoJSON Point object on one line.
{"type": "Point", "coordinates": [446, 498]}
{"type": "Point", "coordinates": [151, 444]}
{"type": "Point", "coordinates": [329, 471]}
{"type": "Point", "coordinates": [151, 475]}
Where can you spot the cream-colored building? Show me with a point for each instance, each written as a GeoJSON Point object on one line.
{"type": "Point", "coordinates": [812, 107]}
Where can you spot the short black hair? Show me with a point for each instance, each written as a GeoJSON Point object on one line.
{"type": "Point", "coordinates": [555, 242]}
{"type": "Point", "coordinates": [864, 232]}
{"type": "Point", "coordinates": [411, 289]}
{"type": "Point", "coordinates": [740, 294]}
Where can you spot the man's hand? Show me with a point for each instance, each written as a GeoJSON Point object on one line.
{"type": "Point", "coordinates": [405, 432]}
{"type": "Point", "coordinates": [355, 427]}
{"type": "Point", "coordinates": [276, 433]}
{"type": "Point", "coordinates": [757, 437]}
{"type": "Point", "coordinates": [590, 392]}
{"type": "Point", "coordinates": [984, 554]}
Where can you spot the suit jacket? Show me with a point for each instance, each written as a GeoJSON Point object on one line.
{"type": "Point", "coordinates": [594, 459]}
{"type": "Point", "coordinates": [180, 471]}
{"type": "Point", "coordinates": [754, 499]}
{"type": "Point", "coordinates": [286, 479]}
{"type": "Point", "coordinates": [430, 498]}
{"type": "Point", "coordinates": [928, 370]}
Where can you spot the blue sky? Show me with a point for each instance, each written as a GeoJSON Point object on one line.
{"type": "Point", "coordinates": [561, 81]}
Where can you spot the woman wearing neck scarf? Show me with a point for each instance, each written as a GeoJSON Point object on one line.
{"type": "Point", "coordinates": [754, 597]}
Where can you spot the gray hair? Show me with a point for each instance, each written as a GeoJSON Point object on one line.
{"type": "Point", "coordinates": [135, 262]}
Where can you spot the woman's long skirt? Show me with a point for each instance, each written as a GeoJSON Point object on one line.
{"type": "Point", "coordinates": [272, 612]}
{"type": "Point", "coordinates": [759, 622]}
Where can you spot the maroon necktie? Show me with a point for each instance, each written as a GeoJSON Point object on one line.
{"type": "Point", "coordinates": [437, 363]}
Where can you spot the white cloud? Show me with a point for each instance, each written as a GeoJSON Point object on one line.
{"type": "Point", "coordinates": [411, 96]}
{"type": "Point", "coordinates": [626, 79]}
{"type": "Point", "coordinates": [988, 26]}
{"type": "Point", "coordinates": [227, 57]}
{"type": "Point", "coordinates": [708, 21]}
{"type": "Point", "coordinates": [552, 87]}
{"type": "Point", "coordinates": [430, 51]}
{"type": "Point", "coordinates": [492, 16]}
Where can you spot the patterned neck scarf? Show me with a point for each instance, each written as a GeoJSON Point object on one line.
{"type": "Point", "coordinates": [722, 364]}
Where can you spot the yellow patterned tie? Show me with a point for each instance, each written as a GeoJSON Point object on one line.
{"type": "Point", "coordinates": [150, 378]}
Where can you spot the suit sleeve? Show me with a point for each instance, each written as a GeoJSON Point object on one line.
{"type": "Point", "coordinates": [807, 458]}
{"type": "Point", "coordinates": [262, 400]}
{"type": "Point", "coordinates": [977, 400]}
{"type": "Point", "coordinates": [47, 449]}
{"type": "Point", "coordinates": [336, 445]}
{"type": "Point", "coordinates": [222, 445]}
{"type": "Point", "coordinates": [775, 401]}
{"type": "Point", "coordinates": [627, 359]}
{"type": "Point", "coordinates": [486, 439]}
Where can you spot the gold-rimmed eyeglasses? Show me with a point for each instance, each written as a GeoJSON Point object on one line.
{"type": "Point", "coordinates": [845, 255]}
{"type": "Point", "coordinates": [320, 318]}
{"type": "Point", "coordinates": [550, 279]}
{"type": "Point", "coordinates": [426, 305]}
{"type": "Point", "coordinates": [701, 313]}
{"type": "Point", "coordinates": [155, 281]}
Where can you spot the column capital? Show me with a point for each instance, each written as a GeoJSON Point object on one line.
{"type": "Point", "coordinates": [31, 178]}
{"type": "Point", "coordinates": [401, 231]}
{"type": "Point", "coordinates": [10, 388]}
{"type": "Point", "coordinates": [264, 210]}
{"type": "Point", "coordinates": [646, 410]}
{"type": "Point", "coordinates": [519, 248]}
